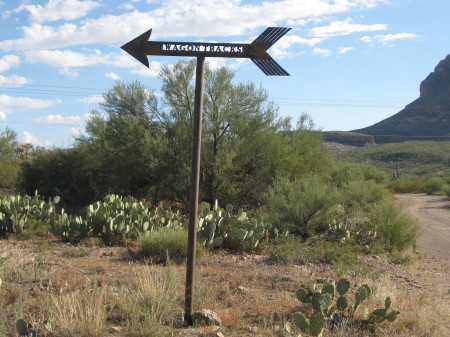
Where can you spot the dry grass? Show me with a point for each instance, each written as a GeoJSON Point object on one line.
{"type": "Point", "coordinates": [105, 293]}
{"type": "Point", "coordinates": [80, 313]}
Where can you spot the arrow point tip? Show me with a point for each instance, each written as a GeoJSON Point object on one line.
{"type": "Point", "coordinates": [135, 47]}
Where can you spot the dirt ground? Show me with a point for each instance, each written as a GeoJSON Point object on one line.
{"type": "Point", "coordinates": [431, 272]}
{"type": "Point", "coordinates": [253, 295]}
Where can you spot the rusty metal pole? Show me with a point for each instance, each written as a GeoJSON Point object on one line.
{"type": "Point", "coordinates": [195, 186]}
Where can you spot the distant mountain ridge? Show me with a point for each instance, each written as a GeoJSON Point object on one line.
{"type": "Point", "coordinates": [427, 116]}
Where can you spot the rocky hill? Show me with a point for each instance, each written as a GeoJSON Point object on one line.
{"type": "Point", "coordinates": [427, 116]}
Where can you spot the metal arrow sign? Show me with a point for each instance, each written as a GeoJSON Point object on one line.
{"type": "Point", "coordinates": [256, 51]}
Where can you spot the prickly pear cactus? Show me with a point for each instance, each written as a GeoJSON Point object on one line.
{"type": "Point", "coordinates": [380, 315]}
{"type": "Point", "coordinates": [228, 229]}
{"type": "Point", "coordinates": [16, 211]}
{"type": "Point", "coordinates": [331, 305]}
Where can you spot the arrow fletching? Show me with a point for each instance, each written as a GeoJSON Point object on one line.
{"type": "Point", "coordinates": [270, 67]}
{"type": "Point", "coordinates": [271, 35]}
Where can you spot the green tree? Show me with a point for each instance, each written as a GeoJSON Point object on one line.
{"type": "Point", "coordinates": [140, 144]}
{"type": "Point", "coordinates": [60, 172]}
{"type": "Point", "coordinates": [236, 117]}
{"type": "Point", "coordinates": [124, 143]}
{"type": "Point", "coordinates": [9, 167]}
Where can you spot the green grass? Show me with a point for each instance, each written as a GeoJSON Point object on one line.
{"type": "Point", "coordinates": [168, 244]}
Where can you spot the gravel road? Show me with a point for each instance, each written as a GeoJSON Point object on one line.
{"type": "Point", "coordinates": [433, 214]}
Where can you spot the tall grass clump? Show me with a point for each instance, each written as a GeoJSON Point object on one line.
{"type": "Point", "coordinates": [150, 301]}
{"type": "Point", "coordinates": [81, 313]}
{"type": "Point", "coordinates": [167, 244]}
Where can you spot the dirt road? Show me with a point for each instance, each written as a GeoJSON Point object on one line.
{"type": "Point", "coordinates": [433, 214]}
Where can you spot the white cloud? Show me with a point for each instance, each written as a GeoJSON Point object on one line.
{"type": "Point", "coordinates": [345, 27]}
{"type": "Point", "coordinates": [64, 58]}
{"type": "Point", "coordinates": [152, 71]}
{"type": "Point", "coordinates": [304, 22]}
{"type": "Point", "coordinates": [28, 137]}
{"type": "Point", "coordinates": [10, 104]}
{"type": "Point", "coordinates": [71, 59]}
{"type": "Point", "coordinates": [216, 62]}
{"type": "Point", "coordinates": [2, 116]}
{"type": "Point", "coordinates": [8, 61]}
{"type": "Point", "coordinates": [127, 6]}
{"type": "Point", "coordinates": [69, 72]}
{"type": "Point", "coordinates": [92, 99]}
{"type": "Point", "coordinates": [344, 50]}
{"type": "Point", "coordinates": [322, 52]}
{"type": "Point", "coordinates": [56, 10]}
{"type": "Point", "coordinates": [58, 119]}
{"type": "Point", "coordinates": [388, 38]}
{"type": "Point", "coordinates": [279, 49]}
{"type": "Point", "coordinates": [112, 76]}
{"type": "Point", "coordinates": [176, 18]}
{"type": "Point", "coordinates": [13, 81]}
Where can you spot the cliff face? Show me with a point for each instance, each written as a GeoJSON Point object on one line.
{"type": "Point", "coordinates": [429, 115]}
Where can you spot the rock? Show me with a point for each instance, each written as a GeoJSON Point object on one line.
{"type": "Point", "coordinates": [206, 317]}
{"type": "Point", "coordinates": [428, 116]}
{"type": "Point", "coordinates": [253, 329]}
{"type": "Point", "coordinates": [244, 290]}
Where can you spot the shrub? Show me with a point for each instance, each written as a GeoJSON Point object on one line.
{"type": "Point", "coordinates": [357, 172]}
{"type": "Point", "coordinates": [303, 207]}
{"type": "Point", "coordinates": [168, 243]}
{"type": "Point", "coordinates": [434, 185]}
{"type": "Point", "coordinates": [397, 229]}
{"type": "Point", "coordinates": [447, 191]}
{"type": "Point", "coordinates": [362, 193]}
{"type": "Point", "coordinates": [408, 186]}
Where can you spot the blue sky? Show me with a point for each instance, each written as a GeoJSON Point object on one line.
{"type": "Point", "coordinates": [352, 62]}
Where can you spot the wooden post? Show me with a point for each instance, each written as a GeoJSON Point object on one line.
{"type": "Point", "coordinates": [195, 186]}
